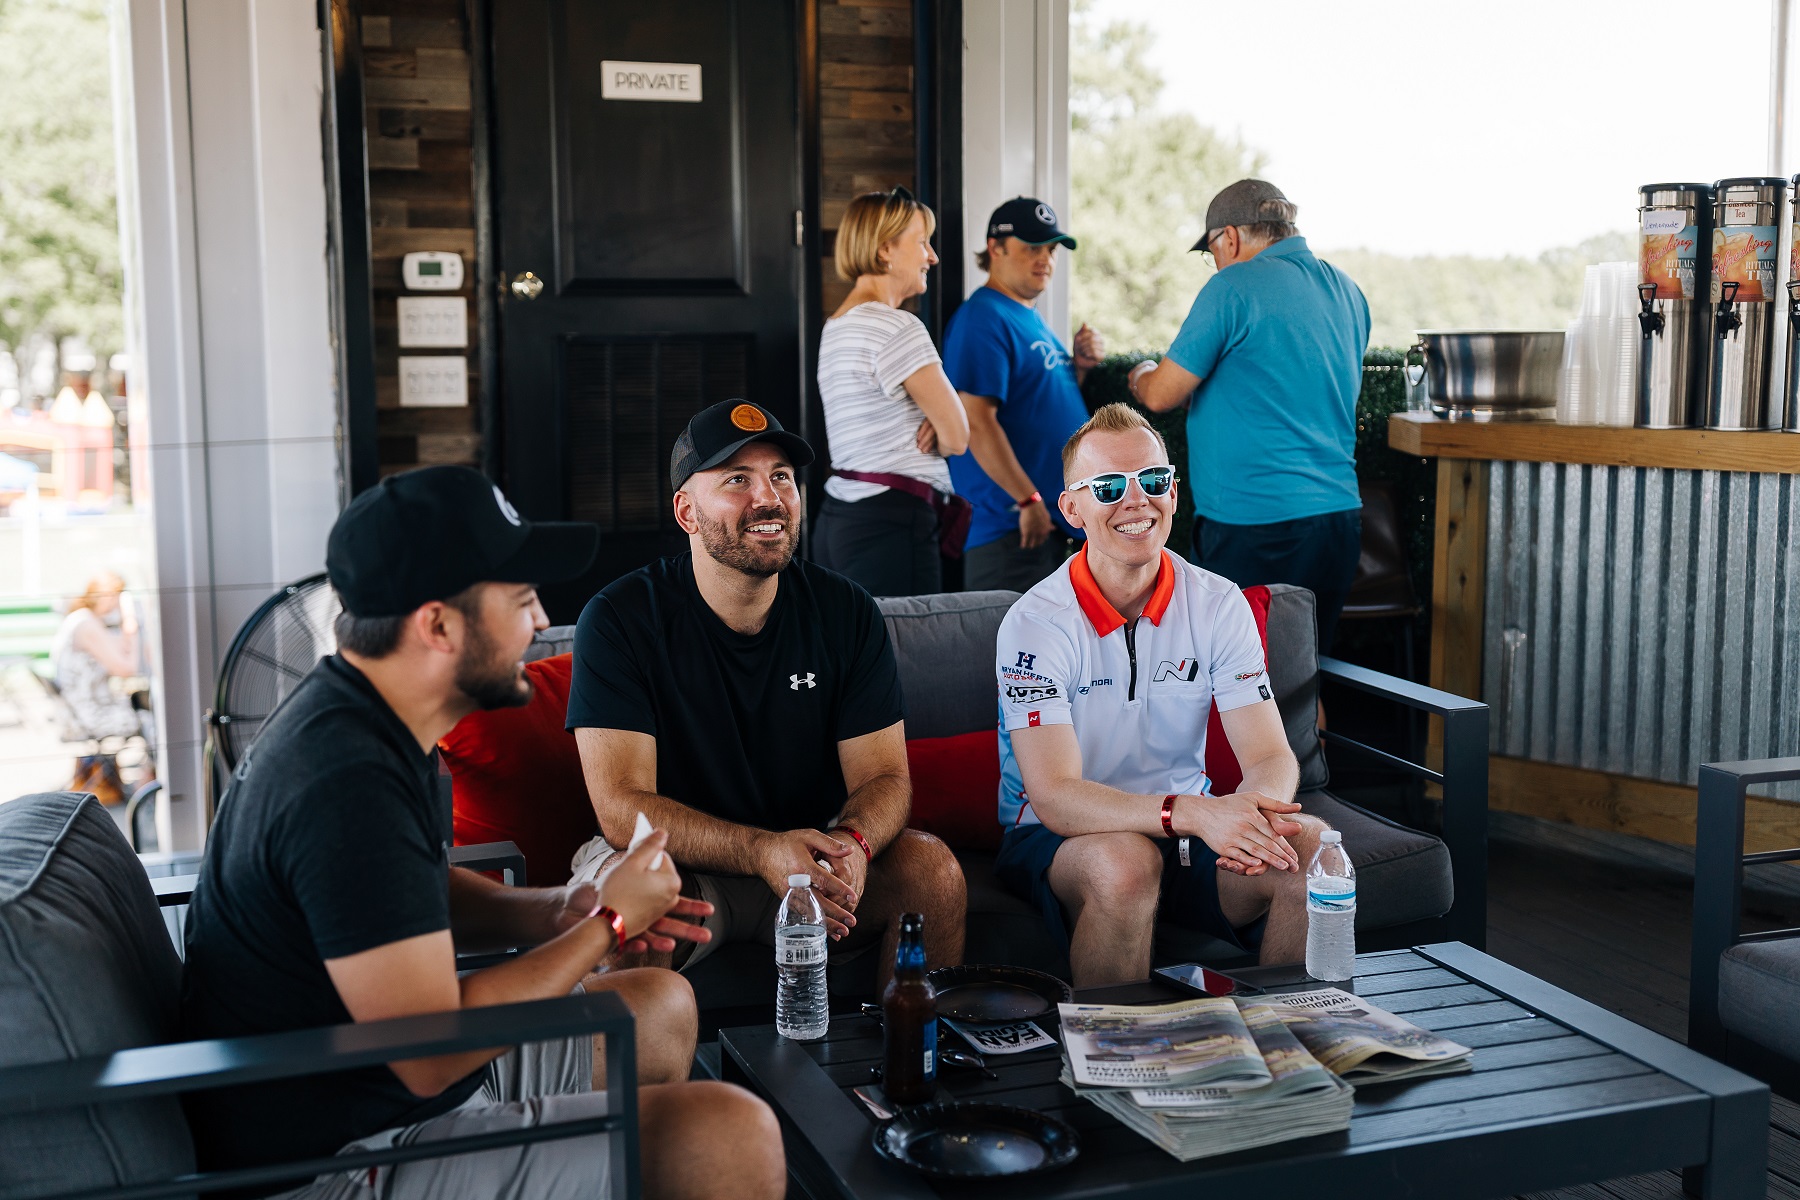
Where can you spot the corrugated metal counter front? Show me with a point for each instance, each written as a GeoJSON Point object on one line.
{"type": "Point", "coordinates": [1629, 616]}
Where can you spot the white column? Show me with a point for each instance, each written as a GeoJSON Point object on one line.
{"type": "Point", "coordinates": [1016, 125]}
{"type": "Point", "coordinates": [222, 197]}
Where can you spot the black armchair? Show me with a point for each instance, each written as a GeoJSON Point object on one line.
{"type": "Point", "coordinates": [1742, 987]}
{"type": "Point", "coordinates": [89, 1078]}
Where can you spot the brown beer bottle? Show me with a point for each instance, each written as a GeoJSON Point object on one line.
{"type": "Point", "coordinates": [909, 1021]}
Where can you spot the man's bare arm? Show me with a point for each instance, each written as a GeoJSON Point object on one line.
{"type": "Point", "coordinates": [1260, 743]}
{"type": "Point", "coordinates": [880, 786]}
{"type": "Point", "coordinates": [620, 768]}
{"type": "Point", "coordinates": [1161, 386]}
{"type": "Point", "coordinates": [992, 449]}
{"type": "Point", "coordinates": [485, 915]}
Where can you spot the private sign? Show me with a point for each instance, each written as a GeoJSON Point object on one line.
{"type": "Point", "coordinates": [649, 81]}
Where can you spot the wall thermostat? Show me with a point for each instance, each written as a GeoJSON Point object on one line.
{"type": "Point", "coordinates": [432, 271]}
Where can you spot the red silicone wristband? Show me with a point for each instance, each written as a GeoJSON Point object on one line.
{"type": "Point", "coordinates": [1168, 816]}
{"type": "Point", "coordinates": [1034, 498]}
{"type": "Point", "coordinates": [868, 851]}
{"type": "Point", "coordinates": [611, 917]}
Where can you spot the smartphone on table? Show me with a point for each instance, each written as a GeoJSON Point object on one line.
{"type": "Point", "coordinates": [1204, 981]}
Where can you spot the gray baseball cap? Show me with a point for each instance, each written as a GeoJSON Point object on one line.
{"type": "Point", "coordinates": [1239, 204]}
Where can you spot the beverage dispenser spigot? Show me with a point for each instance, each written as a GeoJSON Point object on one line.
{"type": "Point", "coordinates": [1415, 371]}
{"type": "Point", "coordinates": [1648, 317]}
{"type": "Point", "coordinates": [1727, 322]}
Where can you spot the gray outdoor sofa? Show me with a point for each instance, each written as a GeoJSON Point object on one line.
{"type": "Point", "coordinates": [1414, 887]}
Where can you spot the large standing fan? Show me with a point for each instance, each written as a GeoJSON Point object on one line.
{"type": "Point", "coordinates": [278, 646]}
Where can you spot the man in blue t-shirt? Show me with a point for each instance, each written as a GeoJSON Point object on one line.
{"type": "Point", "coordinates": [1269, 362]}
{"type": "Point", "coordinates": [1023, 395]}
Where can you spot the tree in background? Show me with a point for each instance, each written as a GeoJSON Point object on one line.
{"type": "Point", "coordinates": [60, 272]}
{"type": "Point", "coordinates": [1141, 178]}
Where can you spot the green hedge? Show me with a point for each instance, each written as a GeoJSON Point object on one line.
{"type": "Point", "coordinates": [1383, 394]}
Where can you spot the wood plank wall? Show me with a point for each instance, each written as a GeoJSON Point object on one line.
{"type": "Point", "coordinates": [865, 114]}
{"type": "Point", "coordinates": [417, 98]}
{"type": "Point", "coordinates": [416, 87]}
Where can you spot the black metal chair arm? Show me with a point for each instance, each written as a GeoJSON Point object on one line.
{"type": "Point", "coordinates": [1719, 860]}
{"type": "Point", "coordinates": [1392, 687]}
{"type": "Point", "coordinates": [492, 856]}
{"type": "Point", "coordinates": [1463, 777]}
{"type": "Point", "coordinates": [189, 1066]}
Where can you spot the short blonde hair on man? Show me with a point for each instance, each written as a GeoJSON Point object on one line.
{"type": "Point", "coordinates": [1113, 418]}
{"type": "Point", "coordinates": [871, 221]}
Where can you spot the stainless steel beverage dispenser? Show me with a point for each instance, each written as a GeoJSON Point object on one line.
{"type": "Point", "coordinates": [1746, 230]}
{"type": "Point", "coordinates": [1792, 421]}
{"type": "Point", "coordinates": [1674, 273]}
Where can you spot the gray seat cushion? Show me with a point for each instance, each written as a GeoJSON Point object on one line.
{"type": "Point", "coordinates": [1294, 674]}
{"type": "Point", "coordinates": [944, 645]}
{"type": "Point", "coordinates": [1759, 988]}
{"type": "Point", "coordinates": [86, 968]}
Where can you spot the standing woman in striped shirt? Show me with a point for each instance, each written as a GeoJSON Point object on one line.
{"type": "Point", "coordinates": [890, 413]}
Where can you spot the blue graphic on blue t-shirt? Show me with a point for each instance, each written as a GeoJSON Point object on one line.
{"type": "Point", "coordinates": [1002, 349]}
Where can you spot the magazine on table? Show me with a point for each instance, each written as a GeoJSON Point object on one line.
{"type": "Point", "coordinates": [1300, 1099]}
{"type": "Point", "coordinates": [1185, 1044]}
{"type": "Point", "coordinates": [1363, 1043]}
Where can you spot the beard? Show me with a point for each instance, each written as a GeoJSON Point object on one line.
{"type": "Point", "coordinates": [730, 547]}
{"type": "Point", "coordinates": [489, 678]}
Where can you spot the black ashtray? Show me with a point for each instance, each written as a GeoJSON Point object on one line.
{"type": "Point", "coordinates": [976, 1141]}
{"type": "Point", "coordinates": [996, 995]}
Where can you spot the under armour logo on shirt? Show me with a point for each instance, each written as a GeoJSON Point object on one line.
{"type": "Point", "coordinates": [795, 682]}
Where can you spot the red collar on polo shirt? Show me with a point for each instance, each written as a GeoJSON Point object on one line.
{"type": "Point", "coordinates": [1099, 610]}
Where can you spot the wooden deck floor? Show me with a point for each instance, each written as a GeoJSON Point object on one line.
{"type": "Point", "coordinates": [1620, 939]}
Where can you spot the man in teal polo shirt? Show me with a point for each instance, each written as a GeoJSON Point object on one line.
{"type": "Point", "coordinates": [1269, 362]}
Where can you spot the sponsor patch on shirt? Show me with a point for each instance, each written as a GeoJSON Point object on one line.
{"type": "Point", "coordinates": [1031, 719]}
{"type": "Point", "coordinates": [1027, 693]}
{"type": "Point", "coordinates": [1247, 675]}
{"type": "Point", "coordinates": [1186, 670]}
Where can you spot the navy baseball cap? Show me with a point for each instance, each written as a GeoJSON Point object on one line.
{"type": "Point", "coordinates": [426, 535]}
{"type": "Point", "coordinates": [1031, 221]}
{"type": "Point", "coordinates": [716, 433]}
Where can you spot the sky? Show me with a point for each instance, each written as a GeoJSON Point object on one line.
{"type": "Point", "coordinates": [1461, 127]}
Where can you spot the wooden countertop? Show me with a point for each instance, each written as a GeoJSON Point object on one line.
{"type": "Point", "coordinates": [1546, 441]}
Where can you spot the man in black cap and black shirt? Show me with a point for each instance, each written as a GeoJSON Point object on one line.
{"type": "Point", "coordinates": [748, 702]}
{"type": "Point", "coordinates": [327, 897]}
{"type": "Point", "coordinates": [1022, 391]}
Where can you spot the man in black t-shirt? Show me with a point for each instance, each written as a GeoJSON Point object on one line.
{"type": "Point", "coordinates": [327, 897]}
{"type": "Point", "coordinates": [748, 702]}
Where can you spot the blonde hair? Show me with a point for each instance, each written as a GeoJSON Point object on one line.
{"type": "Point", "coordinates": [871, 221]}
{"type": "Point", "coordinates": [1113, 418]}
{"type": "Point", "coordinates": [104, 584]}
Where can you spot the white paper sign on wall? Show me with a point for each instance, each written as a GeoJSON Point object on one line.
{"type": "Point", "coordinates": [649, 81]}
{"type": "Point", "coordinates": [434, 321]}
{"type": "Point", "coordinates": [434, 381]}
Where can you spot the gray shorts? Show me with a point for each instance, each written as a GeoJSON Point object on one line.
{"type": "Point", "coordinates": [538, 1084]}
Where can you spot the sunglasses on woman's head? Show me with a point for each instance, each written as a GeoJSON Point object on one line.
{"type": "Point", "coordinates": [1109, 487]}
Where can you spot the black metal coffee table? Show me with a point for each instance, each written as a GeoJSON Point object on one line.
{"type": "Point", "coordinates": [1563, 1092]}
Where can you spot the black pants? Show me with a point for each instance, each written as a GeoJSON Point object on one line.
{"type": "Point", "coordinates": [1002, 565]}
{"type": "Point", "coordinates": [888, 543]}
{"type": "Point", "coordinates": [1318, 553]}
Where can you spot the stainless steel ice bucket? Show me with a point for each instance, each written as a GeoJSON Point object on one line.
{"type": "Point", "coordinates": [1487, 375]}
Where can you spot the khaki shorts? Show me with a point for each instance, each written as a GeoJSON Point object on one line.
{"type": "Point", "coordinates": [538, 1084]}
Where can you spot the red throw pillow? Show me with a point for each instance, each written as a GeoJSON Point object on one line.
{"type": "Point", "coordinates": [516, 777]}
{"type": "Point", "coordinates": [1221, 764]}
{"type": "Point", "coordinates": [956, 788]}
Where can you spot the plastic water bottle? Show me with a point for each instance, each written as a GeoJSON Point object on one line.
{"type": "Point", "coordinates": [1331, 911]}
{"type": "Point", "coordinates": [800, 1001]}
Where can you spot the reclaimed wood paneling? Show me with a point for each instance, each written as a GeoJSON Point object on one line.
{"type": "Point", "coordinates": [416, 85]}
{"type": "Point", "coordinates": [866, 135]}
{"type": "Point", "coordinates": [1546, 441]}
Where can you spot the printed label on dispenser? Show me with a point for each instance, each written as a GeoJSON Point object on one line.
{"type": "Point", "coordinates": [1666, 250]}
{"type": "Point", "coordinates": [1744, 255]}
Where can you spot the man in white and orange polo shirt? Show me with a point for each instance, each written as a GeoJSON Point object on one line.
{"type": "Point", "coordinates": [1107, 671]}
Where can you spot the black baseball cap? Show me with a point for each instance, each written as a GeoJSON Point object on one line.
{"type": "Point", "coordinates": [716, 433]}
{"type": "Point", "coordinates": [427, 534]}
{"type": "Point", "coordinates": [1031, 221]}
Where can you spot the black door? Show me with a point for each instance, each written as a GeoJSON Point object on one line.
{"type": "Point", "coordinates": [664, 233]}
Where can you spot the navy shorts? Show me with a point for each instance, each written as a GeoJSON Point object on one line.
{"type": "Point", "coordinates": [1316, 553]}
{"type": "Point", "coordinates": [1190, 894]}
